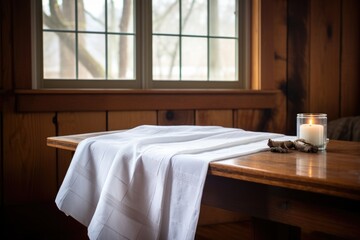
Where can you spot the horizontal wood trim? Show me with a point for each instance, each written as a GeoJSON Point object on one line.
{"type": "Point", "coordinates": [112, 100]}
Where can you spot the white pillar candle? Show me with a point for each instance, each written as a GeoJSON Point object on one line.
{"type": "Point", "coordinates": [312, 133]}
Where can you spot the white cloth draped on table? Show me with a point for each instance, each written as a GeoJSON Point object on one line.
{"type": "Point", "coordinates": [147, 182]}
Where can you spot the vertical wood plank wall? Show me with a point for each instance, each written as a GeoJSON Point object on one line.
{"type": "Point", "coordinates": [273, 56]}
{"type": "Point", "coordinates": [296, 88]}
{"type": "Point", "coordinates": [350, 52]}
{"type": "Point", "coordinates": [323, 73]}
{"type": "Point", "coordinates": [29, 166]}
{"type": "Point", "coordinates": [325, 50]}
{"type": "Point", "coordinates": [309, 50]}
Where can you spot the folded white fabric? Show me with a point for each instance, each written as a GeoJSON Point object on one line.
{"type": "Point", "coordinates": [147, 182]}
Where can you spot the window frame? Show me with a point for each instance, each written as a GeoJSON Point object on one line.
{"type": "Point", "coordinates": [143, 56]}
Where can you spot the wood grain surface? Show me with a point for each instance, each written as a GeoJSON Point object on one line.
{"type": "Point", "coordinates": [335, 171]}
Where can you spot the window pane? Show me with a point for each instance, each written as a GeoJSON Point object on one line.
{"type": "Point", "coordinates": [61, 17]}
{"type": "Point", "coordinates": [223, 18]}
{"type": "Point", "coordinates": [166, 58]}
{"type": "Point", "coordinates": [202, 57]}
{"type": "Point", "coordinates": [223, 64]}
{"type": "Point", "coordinates": [121, 57]}
{"type": "Point", "coordinates": [194, 17]}
{"type": "Point", "coordinates": [120, 16]}
{"type": "Point", "coordinates": [80, 30]}
{"type": "Point", "coordinates": [194, 58]}
{"type": "Point", "coordinates": [192, 40]}
{"type": "Point", "coordinates": [165, 16]}
{"type": "Point", "coordinates": [91, 48]}
{"type": "Point", "coordinates": [58, 55]}
{"type": "Point", "coordinates": [91, 15]}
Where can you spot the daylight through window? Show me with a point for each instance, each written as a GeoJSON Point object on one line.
{"type": "Point", "coordinates": [195, 40]}
{"type": "Point", "coordinates": [96, 43]}
{"type": "Point", "coordinates": [87, 39]}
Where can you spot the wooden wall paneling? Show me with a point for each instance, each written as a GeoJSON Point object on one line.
{"type": "Point", "coordinates": [1, 43]}
{"type": "Point", "coordinates": [298, 61]}
{"type": "Point", "coordinates": [29, 165]}
{"type": "Point", "coordinates": [274, 57]}
{"type": "Point", "coordinates": [176, 117]}
{"type": "Point", "coordinates": [278, 121]}
{"type": "Point", "coordinates": [214, 117]}
{"type": "Point", "coordinates": [74, 123]}
{"type": "Point", "coordinates": [21, 28]}
{"type": "Point", "coordinates": [324, 89]}
{"type": "Point", "coordinates": [267, 44]}
{"type": "Point", "coordinates": [129, 119]}
{"type": "Point", "coordinates": [80, 122]}
{"type": "Point", "coordinates": [5, 45]}
{"type": "Point", "coordinates": [350, 58]}
{"type": "Point", "coordinates": [47, 100]}
{"type": "Point", "coordinates": [251, 119]}
{"type": "Point", "coordinates": [1, 86]}
{"type": "Point", "coordinates": [1, 162]}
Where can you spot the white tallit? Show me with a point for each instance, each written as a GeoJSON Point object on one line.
{"type": "Point", "coordinates": [147, 182]}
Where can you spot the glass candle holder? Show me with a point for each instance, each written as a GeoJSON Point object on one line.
{"type": "Point", "coordinates": [312, 127]}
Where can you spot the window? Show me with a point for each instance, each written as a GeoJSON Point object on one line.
{"type": "Point", "coordinates": [140, 43]}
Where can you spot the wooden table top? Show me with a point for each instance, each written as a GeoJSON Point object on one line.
{"type": "Point", "coordinates": [335, 171]}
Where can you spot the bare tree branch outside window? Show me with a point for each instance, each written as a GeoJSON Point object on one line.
{"type": "Point", "coordinates": [123, 46]}
{"type": "Point", "coordinates": [59, 17]}
{"type": "Point", "coordinates": [193, 40]}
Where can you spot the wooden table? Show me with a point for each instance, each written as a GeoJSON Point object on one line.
{"type": "Point", "coordinates": [316, 192]}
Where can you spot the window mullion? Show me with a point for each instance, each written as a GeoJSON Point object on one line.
{"type": "Point", "coordinates": [144, 42]}
{"type": "Point", "coordinates": [76, 41]}
{"type": "Point", "coordinates": [208, 40]}
{"type": "Point", "coordinates": [106, 41]}
{"type": "Point", "coordinates": [180, 40]}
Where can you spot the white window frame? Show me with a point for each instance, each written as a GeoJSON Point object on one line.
{"type": "Point", "coordinates": [143, 58]}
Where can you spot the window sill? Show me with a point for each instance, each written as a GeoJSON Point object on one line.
{"type": "Point", "coordinates": [117, 100]}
